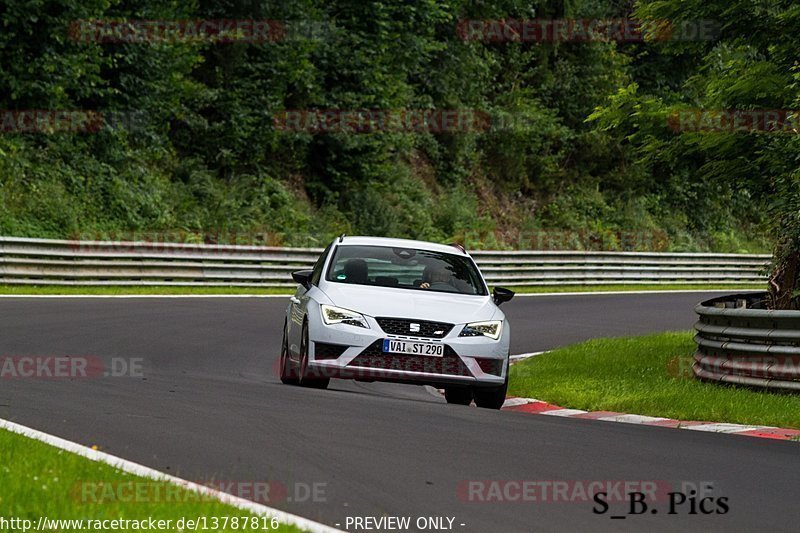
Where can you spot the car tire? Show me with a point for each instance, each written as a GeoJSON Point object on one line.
{"type": "Point", "coordinates": [305, 379]}
{"type": "Point", "coordinates": [490, 397]}
{"type": "Point", "coordinates": [288, 375]}
{"type": "Point", "coordinates": [458, 395]}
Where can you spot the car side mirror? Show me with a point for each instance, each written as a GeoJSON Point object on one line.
{"type": "Point", "coordinates": [501, 294]}
{"type": "Point", "coordinates": [303, 277]}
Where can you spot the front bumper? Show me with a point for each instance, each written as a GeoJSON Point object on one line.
{"type": "Point", "coordinates": [351, 352]}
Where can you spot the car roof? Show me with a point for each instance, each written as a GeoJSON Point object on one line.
{"type": "Point", "coordinates": [400, 243]}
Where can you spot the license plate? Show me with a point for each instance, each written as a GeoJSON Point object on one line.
{"type": "Point", "coordinates": [415, 348]}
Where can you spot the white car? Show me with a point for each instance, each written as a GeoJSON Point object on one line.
{"type": "Point", "coordinates": [378, 309]}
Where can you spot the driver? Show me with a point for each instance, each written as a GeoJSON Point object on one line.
{"type": "Point", "coordinates": [435, 274]}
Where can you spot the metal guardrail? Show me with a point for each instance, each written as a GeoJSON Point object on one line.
{"type": "Point", "coordinates": [63, 262]}
{"type": "Point", "coordinates": [746, 346]}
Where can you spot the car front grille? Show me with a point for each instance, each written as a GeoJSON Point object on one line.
{"type": "Point", "coordinates": [373, 357]}
{"type": "Point", "coordinates": [414, 328]}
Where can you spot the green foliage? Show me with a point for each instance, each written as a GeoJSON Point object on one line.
{"type": "Point", "coordinates": [714, 176]}
{"type": "Point", "coordinates": [579, 137]}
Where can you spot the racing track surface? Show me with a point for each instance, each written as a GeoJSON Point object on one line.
{"type": "Point", "coordinates": [211, 407]}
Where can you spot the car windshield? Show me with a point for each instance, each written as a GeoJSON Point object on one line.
{"type": "Point", "coordinates": [405, 268]}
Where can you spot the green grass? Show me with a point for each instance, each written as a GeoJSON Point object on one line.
{"type": "Point", "coordinates": [167, 290]}
{"type": "Point", "coordinates": [542, 289]}
{"type": "Point", "coordinates": [649, 375]}
{"type": "Point", "coordinates": [134, 290]}
{"type": "Point", "coordinates": [40, 480]}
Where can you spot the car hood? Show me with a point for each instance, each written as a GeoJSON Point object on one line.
{"type": "Point", "coordinates": [409, 303]}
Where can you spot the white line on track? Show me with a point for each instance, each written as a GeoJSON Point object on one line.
{"type": "Point", "coordinates": [513, 402]}
{"type": "Point", "coordinates": [522, 356]}
{"type": "Point", "coordinates": [722, 427]}
{"type": "Point", "coordinates": [564, 412]}
{"type": "Point", "coordinates": [632, 419]}
{"type": "Point", "coordinates": [150, 473]}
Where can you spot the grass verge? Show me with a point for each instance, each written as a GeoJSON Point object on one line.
{"type": "Point", "coordinates": [648, 375]}
{"type": "Point", "coordinates": [39, 480]}
{"type": "Point", "coordinates": [24, 290]}
{"type": "Point", "coordinates": [134, 290]}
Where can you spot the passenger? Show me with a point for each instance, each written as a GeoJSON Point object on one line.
{"type": "Point", "coordinates": [355, 271]}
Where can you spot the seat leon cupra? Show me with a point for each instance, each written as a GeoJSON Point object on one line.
{"type": "Point", "coordinates": [396, 310]}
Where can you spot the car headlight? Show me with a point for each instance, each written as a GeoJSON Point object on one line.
{"type": "Point", "coordinates": [490, 328]}
{"type": "Point", "coordinates": [336, 315]}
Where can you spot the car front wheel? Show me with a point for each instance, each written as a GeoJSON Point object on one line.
{"type": "Point", "coordinates": [306, 377]}
{"type": "Point", "coordinates": [458, 395]}
{"type": "Point", "coordinates": [490, 397]}
{"type": "Point", "coordinates": [288, 375]}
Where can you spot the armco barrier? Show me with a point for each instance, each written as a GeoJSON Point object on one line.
{"type": "Point", "coordinates": [739, 344]}
{"type": "Point", "coordinates": [63, 262]}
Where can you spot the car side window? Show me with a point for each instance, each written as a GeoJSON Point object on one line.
{"type": "Point", "coordinates": [317, 272]}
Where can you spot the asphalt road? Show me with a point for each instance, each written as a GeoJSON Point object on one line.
{"type": "Point", "coordinates": [209, 406]}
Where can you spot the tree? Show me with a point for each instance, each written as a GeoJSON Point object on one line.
{"type": "Point", "coordinates": [748, 68]}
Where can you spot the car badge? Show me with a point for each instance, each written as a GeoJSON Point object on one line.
{"type": "Point", "coordinates": [413, 327]}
